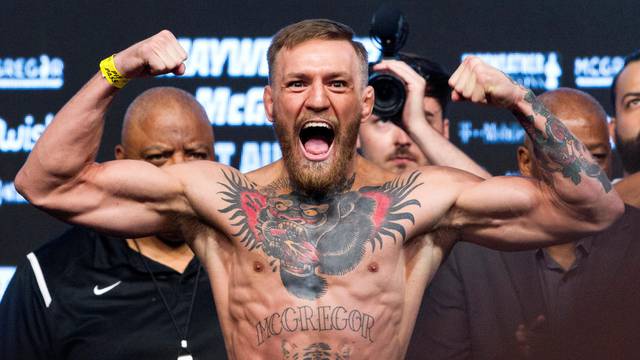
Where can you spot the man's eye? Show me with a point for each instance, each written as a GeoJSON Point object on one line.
{"type": "Point", "coordinates": [154, 157]}
{"type": "Point", "coordinates": [338, 83]}
{"type": "Point", "coordinates": [633, 103]}
{"type": "Point", "coordinates": [295, 84]}
{"type": "Point", "coordinates": [199, 155]}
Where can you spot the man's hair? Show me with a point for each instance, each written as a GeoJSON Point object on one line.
{"type": "Point", "coordinates": [321, 29]}
{"type": "Point", "coordinates": [435, 75]}
{"type": "Point", "coordinates": [631, 58]}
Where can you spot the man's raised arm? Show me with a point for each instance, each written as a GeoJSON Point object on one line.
{"type": "Point", "coordinates": [61, 176]}
{"type": "Point", "coordinates": [575, 197]}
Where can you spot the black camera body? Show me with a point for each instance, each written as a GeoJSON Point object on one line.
{"type": "Point", "coordinates": [389, 29]}
{"type": "Point", "coordinates": [390, 95]}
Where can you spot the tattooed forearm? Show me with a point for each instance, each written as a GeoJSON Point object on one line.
{"type": "Point", "coordinates": [557, 149]}
{"type": "Point", "coordinates": [320, 318]}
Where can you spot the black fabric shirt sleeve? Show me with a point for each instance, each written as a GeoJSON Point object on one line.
{"type": "Point", "coordinates": [25, 331]}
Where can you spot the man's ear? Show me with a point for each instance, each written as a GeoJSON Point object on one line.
{"type": "Point", "coordinates": [367, 103]}
{"type": "Point", "coordinates": [445, 128]}
{"type": "Point", "coordinates": [525, 162]}
{"type": "Point", "coordinates": [267, 99]}
{"type": "Point", "coordinates": [119, 152]}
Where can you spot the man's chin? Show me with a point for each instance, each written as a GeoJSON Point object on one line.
{"type": "Point", "coordinates": [314, 178]}
{"type": "Point", "coordinates": [400, 167]}
{"type": "Point", "coordinates": [629, 152]}
{"type": "Point", "coordinates": [170, 239]}
{"type": "Point", "coordinates": [317, 178]}
{"type": "Point", "coordinates": [318, 170]}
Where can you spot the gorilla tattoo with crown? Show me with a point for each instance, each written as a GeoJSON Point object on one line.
{"type": "Point", "coordinates": [308, 238]}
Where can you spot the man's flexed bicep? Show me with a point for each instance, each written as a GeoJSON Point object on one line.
{"type": "Point", "coordinates": [61, 176]}
{"type": "Point", "coordinates": [126, 197]}
{"type": "Point", "coordinates": [574, 196]}
{"type": "Point", "coordinates": [516, 213]}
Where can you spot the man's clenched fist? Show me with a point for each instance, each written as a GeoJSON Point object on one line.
{"type": "Point", "coordinates": [157, 55]}
{"type": "Point", "coordinates": [479, 82]}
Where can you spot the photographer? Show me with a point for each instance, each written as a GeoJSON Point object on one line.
{"type": "Point", "coordinates": [418, 134]}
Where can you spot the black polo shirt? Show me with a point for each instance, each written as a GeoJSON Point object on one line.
{"type": "Point", "coordinates": [560, 287]}
{"type": "Point", "coordinates": [89, 296]}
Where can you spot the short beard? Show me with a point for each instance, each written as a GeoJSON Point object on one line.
{"type": "Point", "coordinates": [629, 151]}
{"type": "Point", "coordinates": [319, 179]}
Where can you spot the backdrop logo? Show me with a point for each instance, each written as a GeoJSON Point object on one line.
{"type": "Point", "coordinates": [236, 57]}
{"type": "Point", "coordinates": [6, 272]}
{"type": "Point", "coordinates": [23, 137]}
{"type": "Point", "coordinates": [253, 155]}
{"type": "Point", "coordinates": [210, 57]}
{"type": "Point", "coordinates": [225, 108]}
{"type": "Point", "coordinates": [491, 132]}
{"type": "Point", "coordinates": [596, 71]}
{"type": "Point", "coordinates": [534, 70]}
{"type": "Point", "coordinates": [31, 73]}
{"type": "Point", "coordinates": [9, 195]}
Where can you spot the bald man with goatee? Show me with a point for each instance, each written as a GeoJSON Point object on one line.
{"type": "Point", "coordinates": [87, 295]}
{"type": "Point", "coordinates": [569, 301]}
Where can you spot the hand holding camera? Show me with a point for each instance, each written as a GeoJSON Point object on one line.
{"type": "Point", "coordinates": [414, 85]}
{"type": "Point", "coordinates": [401, 81]}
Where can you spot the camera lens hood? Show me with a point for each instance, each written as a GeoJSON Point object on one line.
{"type": "Point", "coordinates": [390, 95]}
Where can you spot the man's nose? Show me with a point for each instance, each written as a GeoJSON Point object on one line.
{"type": "Point", "coordinates": [400, 136]}
{"type": "Point", "coordinates": [177, 158]}
{"type": "Point", "coordinates": [318, 99]}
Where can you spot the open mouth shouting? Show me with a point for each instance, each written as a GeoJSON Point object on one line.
{"type": "Point", "coordinates": [316, 138]}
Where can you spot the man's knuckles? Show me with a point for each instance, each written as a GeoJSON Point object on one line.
{"type": "Point", "coordinates": [161, 53]}
{"type": "Point", "coordinates": [166, 34]}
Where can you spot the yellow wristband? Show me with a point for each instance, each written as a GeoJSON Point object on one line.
{"type": "Point", "coordinates": [111, 74]}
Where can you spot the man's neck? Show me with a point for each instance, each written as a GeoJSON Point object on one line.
{"type": "Point", "coordinates": [175, 257]}
{"type": "Point", "coordinates": [344, 184]}
{"type": "Point", "coordinates": [563, 254]}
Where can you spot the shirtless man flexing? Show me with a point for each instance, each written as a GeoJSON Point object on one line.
{"type": "Point", "coordinates": [322, 254]}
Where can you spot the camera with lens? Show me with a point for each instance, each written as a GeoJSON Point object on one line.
{"type": "Point", "coordinates": [389, 29]}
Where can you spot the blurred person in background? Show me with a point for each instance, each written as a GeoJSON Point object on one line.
{"type": "Point", "coordinates": [88, 295]}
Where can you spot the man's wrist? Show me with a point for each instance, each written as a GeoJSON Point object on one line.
{"type": "Point", "coordinates": [111, 73]}
{"type": "Point", "coordinates": [419, 128]}
{"type": "Point", "coordinates": [523, 101]}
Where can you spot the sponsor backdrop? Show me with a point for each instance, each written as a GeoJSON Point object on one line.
{"type": "Point", "coordinates": [50, 49]}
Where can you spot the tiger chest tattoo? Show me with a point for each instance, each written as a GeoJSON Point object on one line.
{"type": "Point", "coordinates": [307, 239]}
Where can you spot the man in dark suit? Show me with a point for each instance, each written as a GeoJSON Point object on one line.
{"type": "Point", "coordinates": [570, 301]}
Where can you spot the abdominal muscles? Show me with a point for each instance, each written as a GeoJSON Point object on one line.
{"type": "Point", "coordinates": [361, 316]}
